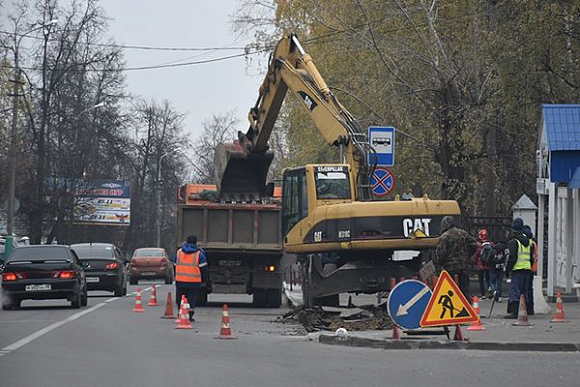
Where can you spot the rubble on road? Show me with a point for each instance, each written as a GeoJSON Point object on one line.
{"type": "Point", "coordinates": [361, 318]}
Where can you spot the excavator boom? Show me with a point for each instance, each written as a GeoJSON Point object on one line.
{"type": "Point", "coordinates": [242, 167]}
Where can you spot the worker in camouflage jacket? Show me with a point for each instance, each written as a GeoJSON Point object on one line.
{"type": "Point", "coordinates": [454, 253]}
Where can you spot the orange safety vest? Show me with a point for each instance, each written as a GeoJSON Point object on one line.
{"type": "Point", "coordinates": [187, 267]}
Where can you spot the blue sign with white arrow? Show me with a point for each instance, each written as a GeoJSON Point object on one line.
{"type": "Point", "coordinates": [407, 303]}
{"type": "Point", "coordinates": [382, 140]}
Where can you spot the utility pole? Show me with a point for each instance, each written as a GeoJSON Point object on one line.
{"type": "Point", "coordinates": [12, 159]}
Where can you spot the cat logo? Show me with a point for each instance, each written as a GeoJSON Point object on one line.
{"type": "Point", "coordinates": [416, 228]}
{"type": "Point", "coordinates": [310, 104]}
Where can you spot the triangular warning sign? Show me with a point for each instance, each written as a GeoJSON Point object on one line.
{"type": "Point", "coordinates": [418, 233]}
{"type": "Point", "coordinates": [448, 305]}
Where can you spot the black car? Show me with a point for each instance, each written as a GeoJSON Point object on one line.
{"type": "Point", "coordinates": [105, 266]}
{"type": "Point", "coordinates": [43, 272]}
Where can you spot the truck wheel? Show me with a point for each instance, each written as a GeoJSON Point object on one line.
{"type": "Point", "coordinates": [306, 299]}
{"type": "Point", "coordinates": [260, 299]}
{"type": "Point", "coordinates": [274, 298]}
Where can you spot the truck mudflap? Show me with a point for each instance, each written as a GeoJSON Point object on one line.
{"type": "Point", "coordinates": [352, 277]}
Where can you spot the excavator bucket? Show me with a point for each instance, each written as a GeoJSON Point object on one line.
{"type": "Point", "coordinates": [241, 176]}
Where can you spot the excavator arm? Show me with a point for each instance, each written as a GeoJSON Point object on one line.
{"type": "Point", "coordinates": [242, 167]}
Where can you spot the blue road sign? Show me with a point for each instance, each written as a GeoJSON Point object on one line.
{"type": "Point", "coordinates": [382, 140]}
{"type": "Point", "coordinates": [407, 303]}
{"type": "Point", "coordinates": [382, 181]}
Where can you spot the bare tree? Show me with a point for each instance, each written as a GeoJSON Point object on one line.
{"type": "Point", "coordinates": [219, 129]}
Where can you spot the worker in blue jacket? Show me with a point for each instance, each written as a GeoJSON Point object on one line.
{"type": "Point", "coordinates": [190, 271]}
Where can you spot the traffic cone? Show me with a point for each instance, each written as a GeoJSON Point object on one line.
{"type": "Point", "coordinates": [459, 336]}
{"type": "Point", "coordinates": [181, 304]}
{"type": "Point", "coordinates": [522, 314]}
{"type": "Point", "coordinates": [138, 305]}
{"type": "Point", "coordinates": [560, 315]}
{"type": "Point", "coordinates": [153, 297]}
{"type": "Point", "coordinates": [168, 308]}
{"type": "Point", "coordinates": [396, 333]}
{"type": "Point", "coordinates": [184, 317]}
{"type": "Point", "coordinates": [225, 330]}
{"type": "Point", "coordinates": [477, 325]}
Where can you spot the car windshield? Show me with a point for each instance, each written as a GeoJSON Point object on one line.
{"type": "Point", "coordinates": [93, 251]}
{"type": "Point", "coordinates": [148, 253]}
{"type": "Point", "coordinates": [40, 253]}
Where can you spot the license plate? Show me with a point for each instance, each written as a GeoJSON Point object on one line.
{"type": "Point", "coordinates": [147, 273]}
{"type": "Point", "coordinates": [32, 288]}
{"type": "Point", "coordinates": [230, 263]}
{"type": "Point", "coordinates": [92, 279]}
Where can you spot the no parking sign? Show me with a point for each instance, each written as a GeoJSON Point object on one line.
{"type": "Point", "coordinates": [382, 181]}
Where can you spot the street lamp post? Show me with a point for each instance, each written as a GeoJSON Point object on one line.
{"type": "Point", "coordinates": [159, 213]}
{"type": "Point", "coordinates": [13, 135]}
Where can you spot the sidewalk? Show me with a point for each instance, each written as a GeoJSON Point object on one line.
{"type": "Point", "coordinates": [500, 334]}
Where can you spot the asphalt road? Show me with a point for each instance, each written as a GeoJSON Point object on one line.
{"type": "Point", "coordinates": [49, 344]}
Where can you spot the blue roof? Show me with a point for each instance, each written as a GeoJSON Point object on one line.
{"type": "Point", "coordinates": [562, 124]}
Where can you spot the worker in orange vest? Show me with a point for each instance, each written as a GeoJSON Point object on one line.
{"type": "Point", "coordinates": [190, 271]}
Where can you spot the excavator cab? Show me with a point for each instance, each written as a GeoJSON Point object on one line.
{"type": "Point", "coordinates": [312, 186]}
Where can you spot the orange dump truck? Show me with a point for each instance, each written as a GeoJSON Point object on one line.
{"type": "Point", "coordinates": [242, 241]}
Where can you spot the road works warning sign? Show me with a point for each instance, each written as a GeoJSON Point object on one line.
{"type": "Point", "coordinates": [448, 305]}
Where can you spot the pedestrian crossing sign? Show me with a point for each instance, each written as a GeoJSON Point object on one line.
{"type": "Point", "coordinates": [448, 305]}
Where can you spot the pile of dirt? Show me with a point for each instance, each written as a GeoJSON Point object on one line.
{"type": "Point", "coordinates": [362, 318]}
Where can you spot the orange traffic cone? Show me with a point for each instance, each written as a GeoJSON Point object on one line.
{"type": "Point", "coordinates": [138, 305]}
{"type": "Point", "coordinates": [153, 298]}
{"type": "Point", "coordinates": [225, 331]}
{"type": "Point", "coordinates": [560, 315]}
{"type": "Point", "coordinates": [522, 314]}
{"type": "Point", "coordinates": [168, 308]}
{"type": "Point", "coordinates": [181, 305]}
{"type": "Point", "coordinates": [184, 317]}
{"type": "Point", "coordinates": [396, 333]}
{"type": "Point", "coordinates": [459, 336]}
{"type": "Point", "coordinates": [477, 325]}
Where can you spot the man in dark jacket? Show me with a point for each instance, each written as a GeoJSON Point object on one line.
{"type": "Point", "coordinates": [190, 272]}
{"type": "Point", "coordinates": [518, 255]}
{"type": "Point", "coordinates": [454, 253]}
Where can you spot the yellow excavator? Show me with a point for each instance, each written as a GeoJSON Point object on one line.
{"type": "Point", "coordinates": [344, 240]}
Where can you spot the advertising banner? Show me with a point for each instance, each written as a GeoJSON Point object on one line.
{"type": "Point", "coordinates": [103, 202]}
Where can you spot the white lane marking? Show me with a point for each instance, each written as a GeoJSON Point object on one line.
{"type": "Point", "coordinates": [112, 299]}
{"type": "Point", "coordinates": [49, 328]}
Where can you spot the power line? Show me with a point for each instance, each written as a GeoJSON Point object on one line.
{"type": "Point", "coordinates": [152, 67]}
{"type": "Point", "coordinates": [138, 47]}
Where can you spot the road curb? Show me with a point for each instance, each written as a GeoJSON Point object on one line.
{"type": "Point", "coordinates": [357, 341]}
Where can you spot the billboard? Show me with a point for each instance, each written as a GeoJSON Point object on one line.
{"type": "Point", "coordinates": [103, 202]}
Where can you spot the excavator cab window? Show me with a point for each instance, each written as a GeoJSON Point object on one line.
{"type": "Point", "coordinates": [332, 182]}
{"type": "Point", "coordinates": [294, 198]}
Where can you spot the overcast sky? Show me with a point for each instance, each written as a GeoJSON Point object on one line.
{"type": "Point", "coordinates": [198, 90]}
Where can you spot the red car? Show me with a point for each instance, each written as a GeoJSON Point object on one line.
{"type": "Point", "coordinates": [150, 263]}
